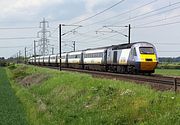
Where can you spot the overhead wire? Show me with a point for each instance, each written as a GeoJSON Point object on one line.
{"type": "Point", "coordinates": [70, 31]}
{"type": "Point", "coordinates": [121, 1]}
{"type": "Point", "coordinates": [167, 44]}
{"type": "Point", "coordinates": [112, 17]}
{"type": "Point", "coordinates": [152, 11]}
{"type": "Point", "coordinates": [102, 38]}
{"type": "Point", "coordinates": [7, 47]}
{"type": "Point", "coordinates": [153, 26]}
{"type": "Point", "coordinates": [13, 38]}
{"type": "Point", "coordinates": [169, 51]}
{"type": "Point", "coordinates": [123, 13]}
{"type": "Point", "coordinates": [54, 31]}
{"type": "Point", "coordinates": [141, 6]}
{"type": "Point", "coordinates": [159, 20]}
{"type": "Point", "coordinates": [16, 28]}
{"type": "Point", "coordinates": [98, 13]}
{"type": "Point", "coordinates": [93, 37]}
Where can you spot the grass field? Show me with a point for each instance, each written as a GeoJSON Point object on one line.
{"type": "Point", "coordinates": [51, 97]}
{"type": "Point", "coordinates": [11, 110]}
{"type": "Point", "coordinates": [168, 72]}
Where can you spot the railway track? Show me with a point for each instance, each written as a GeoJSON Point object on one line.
{"type": "Point", "coordinates": [158, 82]}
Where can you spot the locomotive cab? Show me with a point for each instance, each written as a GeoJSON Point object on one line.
{"type": "Point", "coordinates": [146, 57]}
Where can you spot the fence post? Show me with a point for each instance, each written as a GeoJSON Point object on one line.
{"type": "Point", "coordinates": [175, 84]}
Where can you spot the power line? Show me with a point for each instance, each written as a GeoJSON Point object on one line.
{"type": "Point", "coordinates": [164, 7]}
{"type": "Point", "coordinates": [169, 51]}
{"type": "Point", "coordinates": [167, 18]}
{"type": "Point", "coordinates": [54, 31]}
{"type": "Point", "coordinates": [122, 13]}
{"type": "Point", "coordinates": [102, 38]}
{"type": "Point", "coordinates": [96, 14]}
{"type": "Point", "coordinates": [166, 24]}
{"type": "Point", "coordinates": [86, 34]}
{"type": "Point", "coordinates": [70, 31]}
{"type": "Point", "coordinates": [173, 44]}
{"type": "Point", "coordinates": [132, 19]}
{"type": "Point", "coordinates": [5, 47]}
{"type": "Point", "coordinates": [16, 28]}
{"type": "Point", "coordinates": [100, 12]}
{"type": "Point", "coordinates": [13, 38]}
{"type": "Point", "coordinates": [109, 18]}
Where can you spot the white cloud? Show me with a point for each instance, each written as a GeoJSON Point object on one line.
{"type": "Point", "coordinates": [147, 9]}
{"type": "Point", "coordinates": [90, 4]}
{"type": "Point", "coordinates": [26, 7]}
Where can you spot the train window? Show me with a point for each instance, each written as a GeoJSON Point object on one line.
{"type": "Point", "coordinates": [78, 56]}
{"type": "Point", "coordinates": [146, 50]}
{"type": "Point", "coordinates": [134, 52]}
{"type": "Point", "coordinates": [101, 54]}
{"type": "Point", "coordinates": [73, 56]}
{"type": "Point", "coordinates": [93, 55]}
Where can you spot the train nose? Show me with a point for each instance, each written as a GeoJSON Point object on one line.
{"type": "Point", "coordinates": [148, 62]}
{"type": "Point", "coordinates": [148, 66]}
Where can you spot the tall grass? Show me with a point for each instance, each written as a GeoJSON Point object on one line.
{"type": "Point", "coordinates": [11, 109]}
{"type": "Point", "coordinates": [74, 98]}
{"type": "Point", "coordinates": [168, 72]}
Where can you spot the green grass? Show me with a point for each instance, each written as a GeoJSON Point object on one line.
{"type": "Point", "coordinates": [168, 72]}
{"type": "Point", "coordinates": [167, 65]}
{"type": "Point", "coordinates": [11, 110]}
{"type": "Point", "coordinates": [79, 99]}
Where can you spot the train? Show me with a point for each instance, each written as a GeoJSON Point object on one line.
{"type": "Point", "coordinates": [133, 58]}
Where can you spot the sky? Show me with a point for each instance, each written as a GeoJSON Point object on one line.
{"type": "Point", "coordinates": [154, 21]}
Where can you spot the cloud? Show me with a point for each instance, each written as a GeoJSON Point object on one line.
{"type": "Point", "coordinates": [92, 4]}
{"type": "Point", "coordinates": [24, 8]}
{"type": "Point", "coordinates": [147, 9]}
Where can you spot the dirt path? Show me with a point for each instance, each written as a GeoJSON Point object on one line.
{"type": "Point", "coordinates": [11, 110]}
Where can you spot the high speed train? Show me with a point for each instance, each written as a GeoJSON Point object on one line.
{"type": "Point", "coordinates": [138, 57]}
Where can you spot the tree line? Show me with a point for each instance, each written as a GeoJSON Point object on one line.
{"type": "Point", "coordinates": [169, 59]}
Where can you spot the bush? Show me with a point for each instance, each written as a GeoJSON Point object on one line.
{"type": "Point", "coordinates": [12, 66]}
{"type": "Point", "coordinates": [2, 63]}
{"type": "Point", "coordinates": [168, 66]}
{"type": "Point", "coordinates": [20, 72]}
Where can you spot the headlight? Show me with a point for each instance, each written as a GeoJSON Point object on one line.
{"type": "Point", "coordinates": [142, 59]}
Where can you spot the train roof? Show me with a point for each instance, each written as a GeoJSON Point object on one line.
{"type": "Point", "coordinates": [119, 46]}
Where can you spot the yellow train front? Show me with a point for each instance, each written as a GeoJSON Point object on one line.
{"type": "Point", "coordinates": [143, 56]}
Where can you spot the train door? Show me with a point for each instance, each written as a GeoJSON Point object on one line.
{"type": "Point", "coordinates": [134, 55]}
{"type": "Point", "coordinates": [115, 57]}
{"type": "Point", "coordinates": [82, 60]}
{"type": "Point", "coordinates": [105, 57]}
